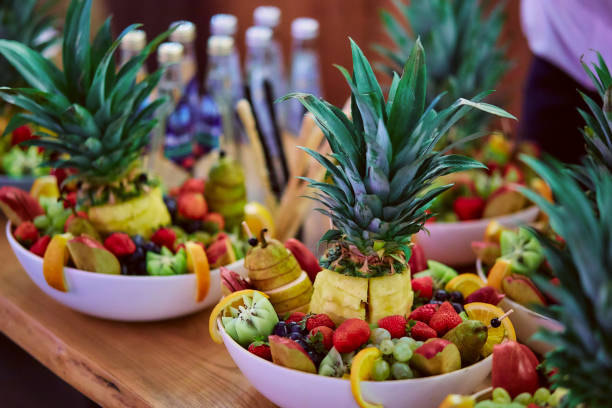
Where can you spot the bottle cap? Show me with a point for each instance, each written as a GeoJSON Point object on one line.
{"type": "Point", "coordinates": [134, 41]}
{"type": "Point", "coordinates": [267, 16]}
{"type": "Point", "coordinates": [258, 36]}
{"type": "Point", "coordinates": [305, 28]}
{"type": "Point", "coordinates": [185, 32]}
{"type": "Point", "coordinates": [219, 45]}
{"type": "Point", "coordinates": [169, 52]}
{"type": "Point", "coordinates": [223, 24]}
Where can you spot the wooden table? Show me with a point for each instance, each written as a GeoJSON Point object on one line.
{"type": "Point", "coordinates": [167, 364]}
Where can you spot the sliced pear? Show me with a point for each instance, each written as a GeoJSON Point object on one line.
{"type": "Point", "coordinates": [89, 255]}
{"type": "Point", "coordinates": [283, 265]}
{"type": "Point", "coordinates": [291, 289]}
{"type": "Point", "coordinates": [277, 281]}
{"type": "Point", "coordinates": [294, 302]}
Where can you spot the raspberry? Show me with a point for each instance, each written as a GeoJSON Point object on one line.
{"type": "Point", "coordinates": [423, 313]}
{"type": "Point", "coordinates": [420, 331]}
{"type": "Point", "coordinates": [120, 244]}
{"type": "Point", "coordinates": [26, 233]}
{"type": "Point", "coordinates": [261, 349]}
{"type": "Point", "coordinates": [320, 320]}
{"type": "Point", "coordinates": [396, 325]}
{"type": "Point", "coordinates": [164, 237]}
{"type": "Point", "coordinates": [40, 246]}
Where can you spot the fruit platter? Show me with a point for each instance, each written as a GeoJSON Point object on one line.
{"type": "Point", "coordinates": [100, 235]}
{"type": "Point", "coordinates": [364, 331]}
{"type": "Point", "coordinates": [507, 261]}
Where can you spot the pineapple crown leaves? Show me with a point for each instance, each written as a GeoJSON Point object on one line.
{"type": "Point", "coordinates": [28, 23]}
{"type": "Point", "coordinates": [93, 113]}
{"type": "Point", "coordinates": [463, 54]}
{"type": "Point", "coordinates": [598, 131]}
{"type": "Point", "coordinates": [584, 353]}
{"type": "Point", "coordinates": [383, 161]}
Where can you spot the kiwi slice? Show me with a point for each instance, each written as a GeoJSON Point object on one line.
{"type": "Point", "coordinates": [523, 251]}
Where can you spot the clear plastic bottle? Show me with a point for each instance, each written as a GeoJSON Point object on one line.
{"type": "Point", "coordinates": [305, 67]}
{"type": "Point", "coordinates": [176, 116]}
{"type": "Point", "coordinates": [131, 45]}
{"type": "Point", "coordinates": [185, 34]}
{"type": "Point", "coordinates": [219, 87]}
{"type": "Point", "coordinates": [257, 72]}
{"type": "Point", "coordinates": [269, 16]}
{"type": "Point", "coordinates": [227, 24]}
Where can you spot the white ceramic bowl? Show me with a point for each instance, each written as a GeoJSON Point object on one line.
{"type": "Point", "coordinates": [526, 322]}
{"type": "Point", "coordinates": [289, 388]}
{"type": "Point", "coordinates": [125, 298]}
{"type": "Point", "coordinates": [451, 242]}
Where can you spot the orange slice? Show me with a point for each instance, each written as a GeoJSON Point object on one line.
{"type": "Point", "coordinates": [498, 272]}
{"type": "Point", "coordinates": [197, 263]}
{"type": "Point", "coordinates": [484, 312]}
{"type": "Point", "coordinates": [361, 370]}
{"type": "Point", "coordinates": [493, 232]}
{"type": "Point", "coordinates": [258, 217]}
{"type": "Point", "coordinates": [54, 260]}
{"type": "Point", "coordinates": [466, 283]}
{"type": "Point", "coordinates": [457, 401]}
{"type": "Point", "coordinates": [233, 299]}
{"type": "Point", "coordinates": [45, 186]}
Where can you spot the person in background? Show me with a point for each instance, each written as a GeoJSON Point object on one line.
{"type": "Point", "coordinates": [560, 33]}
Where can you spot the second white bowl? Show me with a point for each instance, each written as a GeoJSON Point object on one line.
{"type": "Point", "coordinates": [124, 298]}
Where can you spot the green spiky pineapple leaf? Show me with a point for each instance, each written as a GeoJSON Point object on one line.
{"type": "Point", "coordinates": [96, 113]}
{"type": "Point", "coordinates": [464, 56]}
{"type": "Point", "coordinates": [383, 161]}
{"type": "Point", "coordinates": [583, 354]}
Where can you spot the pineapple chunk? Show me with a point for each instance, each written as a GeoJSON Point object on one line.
{"type": "Point", "coordinates": [390, 295]}
{"type": "Point", "coordinates": [339, 296]}
{"type": "Point", "coordinates": [141, 215]}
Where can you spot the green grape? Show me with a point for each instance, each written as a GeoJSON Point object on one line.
{"type": "Point", "coordinates": [501, 395]}
{"type": "Point", "coordinates": [380, 370]}
{"type": "Point", "coordinates": [378, 335]}
{"type": "Point", "coordinates": [54, 209]}
{"type": "Point", "coordinates": [401, 371]}
{"type": "Point", "coordinates": [523, 398]}
{"type": "Point", "coordinates": [41, 222]}
{"type": "Point", "coordinates": [386, 346]}
{"type": "Point", "coordinates": [541, 396]}
{"type": "Point", "coordinates": [402, 352]}
{"type": "Point", "coordinates": [556, 397]}
{"type": "Point", "coordinates": [58, 222]}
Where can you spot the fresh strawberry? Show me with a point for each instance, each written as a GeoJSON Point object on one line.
{"type": "Point", "coordinates": [26, 233]}
{"type": "Point", "coordinates": [193, 185]}
{"type": "Point", "coordinates": [261, 349]}
{"type": "Point", "coordinates": [533, 405]}
{"type": "Point", "coordinates": [70, 200]}
{"type": "Point", "coordinates": [423, 313]}
{"type": "Point", "coordinates": [120, 244]}
{"type": "Point", "coordinates": [216, 218]}
{"type": "Point", "coordinates": [191, 206]}
{"type": "Point", "coordinates": [469, 208]}
{"type": "Point", "coordinates": [21, 134]}
{"type": "Point", "coordinates": [295, 317]}
{"type": "Point", "coordinates": [423, 287]}
{"type": "Point", "coordinates": [350, 335]}
{"type": "Point", "coordinates": [420, 331]}
{"type": "Point", "coordinates": [327, 336]}
{"type": "Point", "coordinates": [320, 319]}
{"type": "Point", "coordinates": [486, 294]}
{"type": "Point", "coordinates": [396, 325]}
{"type": "Point", "coordinates": [444, 319]}
{"type": "Point", "coordinates": [164, 237]}
{"type": "Point", "coordinates": [40, 246]}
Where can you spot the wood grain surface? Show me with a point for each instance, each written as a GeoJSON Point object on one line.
{"type": "Point", "coordinates": [165, 364]}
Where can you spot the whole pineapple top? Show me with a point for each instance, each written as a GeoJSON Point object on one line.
{"type": "Point", "coordinates": [598, 130]}
{"type": "Point", "coordinates": [92, 114]}
{"type": "Point", "coordinates": [583, 357]}
{"type": "Point", "coordinates": [383, 162]}
{"type": "Point", "coordinates": [463, 52]}
{"type": "Point", "coordinates": [23, 21]}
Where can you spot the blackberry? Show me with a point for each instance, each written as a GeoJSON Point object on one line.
{"type": "Point", "coordinates": [281, 329]}
{"type": "Point", "coordinates": [456, 296]}
{"type": "Point", "coordinates": [171, 206]}
{"type": "Point", "coordinates": [135, 256]}
{"type": "Point", "coordinates": [295, 329]}
{"type": "Point", "coordinates": [151, 247]}
{"type": "Point", "coordinates": [441, 294]}
{"type": "Point", "coordinates": [138, 240]}
{"type": "Point", "coordinates": [296, 336]}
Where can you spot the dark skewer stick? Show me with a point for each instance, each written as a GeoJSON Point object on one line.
{"type": "Point", "coordinates": [274, 182]}
{"type": "Point", "coordinates": [269, 93]}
